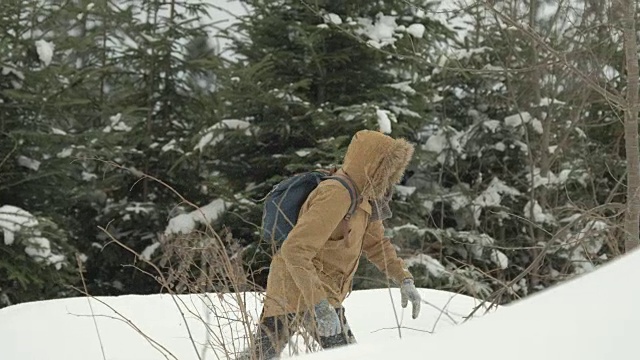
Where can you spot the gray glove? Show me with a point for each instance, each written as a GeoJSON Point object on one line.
{"type": "Point", "coordinates": [408, 292]}
{"type": "Point", "coordinates": [327, 321]}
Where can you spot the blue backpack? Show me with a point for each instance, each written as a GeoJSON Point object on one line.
{"type": "Point", "coordinates": [283, 203]}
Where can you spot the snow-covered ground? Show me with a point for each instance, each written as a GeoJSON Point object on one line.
{"type": "Point", "coordinates": [592, 317]}
{"type": "Point", "coordinates": [151, 327]}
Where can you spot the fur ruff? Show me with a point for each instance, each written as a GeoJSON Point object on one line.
{"type": "Point", "coordinates": [376, 162]}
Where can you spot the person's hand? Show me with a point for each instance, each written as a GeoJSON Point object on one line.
{"type": "Point", "coordinates": [409, 292]}
{"type": "Point", "coordinates": [327, 321]}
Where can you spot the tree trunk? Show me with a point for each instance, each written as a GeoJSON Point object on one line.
{"type": "Point", "coordinates": [632, 222]}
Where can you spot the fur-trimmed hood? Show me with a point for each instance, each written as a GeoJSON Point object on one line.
{"type": "Point", "coordinates": [375, 162]}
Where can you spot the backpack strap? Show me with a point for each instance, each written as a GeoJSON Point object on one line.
{"type": "Point", "coordinates": [353, 192]}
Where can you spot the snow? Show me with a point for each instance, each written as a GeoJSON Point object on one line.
{"type": "Point", "coordinates": [65, 328]}
{"type": "Point", "coordinates": [500, 146]}
{"type": "Point", "coordinates": [492, 196]}
{"type": "Point", "coordinates": [480, 242]}
{"type": "Point", "coordinates": [610, 73]}
{"type": "Point", "coordinates": [500, 259]}
{"type": "Point", "coordinates": [29, 163]}
{"type": "Point", "coordinates": [171, 145]}
{"type": "Point", "coordinates": [524, 117]}
{"type": "Point", "coordinates": [205, 140]}
{"type": "Point", "coordinates": [139, 207]}
{"type": "Point", "coordinates": [537, 214]}
{"type": "Point", "coordinates": [332, 18]}
{"type": "Point", "coordinates": [147, 253]}
{"type": "Point", "coordinates": [287, 96]}
{"type": "Point", "coordinates": [45, 51]}
{"type": "Point", "coordinates": [6, 70]}
{"type": "Point", "coordinates": [186, 223]}
{"type": "Point", "coordinates": [537, 126]}
{"type": "Point", "coordinates": [462, 54]}
{"type": "Point", "coordinates": [64, 153]}
{"type": "Point", "coordinates": [380, 32]}
{"type": "Point", "coordinates": [492, 125]}
{"type": "Point", "coordinates": [433, 266]}
{"type": "Point", "coordinates": [457, 200]}
{"type": "Point", "coordinates": [416, 30]}
{"type": "Point", "coordinates": [552, 179]}
{"type": "Point", "coordinates": [405, 191]}
{"type": "Point", "coordinates": [411, 227]}
{"type": "Point", "coordinates": [87, 176]}
{"type": "Point", "coordinates": [403, 111]}
{"type": "Point", "coordinates": [16, 80]}
{"type": "Point", "coordinates": [517, 119]}
{"type": "Point", "coordinates": [404, 87]}
{"type": "Point", "coordinates": [9, 237]}
{"type": "Point", "coordinates": [545, 101]}
{"type": "Point", "coordinates": [39, 248]}
{"type": "Point", "coordinates": [445, 139]}
{"type": "Point", "coordinates": [561, 319]}
{"type": "Point", "coordinates": [116, 124]}
{"type": "Point", "coordinates": [231, 124]}
{"type": "Point", "coordinates": [383, 121]}
{"type": "Point", "coordinates": [12, 220]}
{"type": "Point", "coordinates": [591, 317]}
{"type": "Point", "coordinates": [523, 147]}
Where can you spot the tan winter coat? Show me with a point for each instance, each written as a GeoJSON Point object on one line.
{"type": "Point", "coordinates": [316, 261]}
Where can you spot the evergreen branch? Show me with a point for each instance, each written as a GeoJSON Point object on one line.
{"type": "Point", "coordinates": [15, 147]}
{"type": "Point", "coordinates": [422, 60]}
{"type": "Point", "coordinates": [610, 95]}
{"type": "Point", "coordinates": [31, 178]}
{"type": "Point", "coordinates": [534, 264]}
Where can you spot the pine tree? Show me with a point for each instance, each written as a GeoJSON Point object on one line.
{"type": "Point", "coordinates": [38, 186]}
{"type": "Point", "coordinates": [511, 173]}
{"type": "Point", "coordinates": [308, 77]}
{"type": "Point", "coordinates": [156, 97]}
{"type": "Point", "coordinates": [98, 94]}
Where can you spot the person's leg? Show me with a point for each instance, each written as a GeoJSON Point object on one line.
{"type": "Point", "coordinates": [271, 337]}
{"type": "Point", "coordinates": [351, 339]}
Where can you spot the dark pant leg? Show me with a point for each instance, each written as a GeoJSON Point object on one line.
{"type": "Point", "coordinates": [272, 336]}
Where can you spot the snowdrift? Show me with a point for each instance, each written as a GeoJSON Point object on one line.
{"type": "Point", "coordinates": [153, 327]}
{"type": "Point", "coordinates": [592, 317]}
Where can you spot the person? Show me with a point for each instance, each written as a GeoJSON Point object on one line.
{"type": "Point", "coordinates": [312, 273]}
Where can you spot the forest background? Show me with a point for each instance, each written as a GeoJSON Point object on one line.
{"type": "Point", "coordinates": [138, 137]}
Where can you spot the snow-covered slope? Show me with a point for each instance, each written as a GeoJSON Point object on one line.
{"type": "Point", "coordinates": [66, 330]}
{"type": "Point", "coordinates": [593, 317]}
